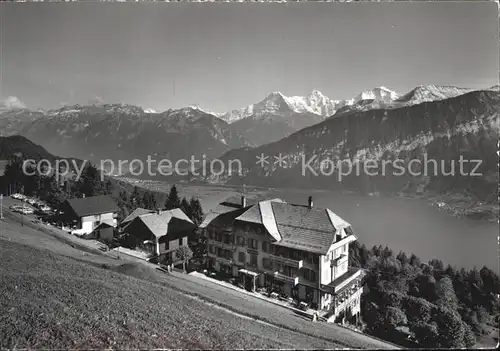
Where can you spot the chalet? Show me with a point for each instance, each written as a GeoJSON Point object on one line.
{"type": "Point", "coordinates": [85, 214]}
{"type": "Point", "coordinates": [160, 233]}
{"type": "Point", "coordinates": [299, 250]}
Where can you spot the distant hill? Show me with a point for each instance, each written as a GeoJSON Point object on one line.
{"type": "Point", "coordinates": [17, 145]}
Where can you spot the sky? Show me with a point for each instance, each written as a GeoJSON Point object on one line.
{"type": "Point", "coordinates": [225, 56]}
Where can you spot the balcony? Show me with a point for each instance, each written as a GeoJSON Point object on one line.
{"type": "Point", "coordinates": [338, 261]}
{"type": "Point", "coordinates": [287, 261]}
{"type": "Point", "coordinates": [221, 244]}
{"type": "Point", "coordinates": [309, 265]}
{"type": "Point", "coordinates": [286, 279]}
{"type": "Point", "coordinates": [224, 260]}
{"type": "Point", "coordinates": [345, 281]}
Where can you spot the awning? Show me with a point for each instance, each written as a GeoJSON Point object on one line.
{"type": "Point", "coordinates": [244, 271]}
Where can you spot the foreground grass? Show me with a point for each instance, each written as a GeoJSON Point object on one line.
{"type": "Point", "coordinates": [52, 301]}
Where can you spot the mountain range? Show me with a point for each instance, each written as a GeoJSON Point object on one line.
{"type": "Point", "coordinates": [465, 124]}
{"type": "Point", "coordinates": [438, 121]}
{"type": "Point", "coordinates": [123, 132]}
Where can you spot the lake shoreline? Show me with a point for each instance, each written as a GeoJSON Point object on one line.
{"type": "Point", "coordinates": [459, 205]}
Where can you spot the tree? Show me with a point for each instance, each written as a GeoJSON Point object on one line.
{"type": "Point", "coordinates": [446, 293]}
{"type": "Point", "coordinates": [392, 299]}
{"type": "Point", "coordinates": [196, 211]}
{"type": "Point", "coordinates": [184, 253]}
{"type": "Point", "coordinates": [395, 317]}
{"type": "Point", "coordinates": [469, 336]}
{"type": "Point", "coordinates": [426, 334]}
{"type": "Point", "coordinates": [417, 309]}
{"type": "Point", "coordinates": [173, 200]}
{"type": "Point", "coordinates": [136, 197]}
{"type": "Point", "coordinates": [414, 260]}
{"type": "Point", "coordinates": [403, 258]}
{"type": "Point", "coordinates": [90, 182]}
{"type": "Point", "coordinates": [185, 207]}
{"type": "Point", "coordinates": [55, 195]}
{"type": "Point", "coordinates": [149, 200]}
{"type": "Point", "coordinates": [450, 327]}
{"type": "Point", "coordinates": [490, 280]}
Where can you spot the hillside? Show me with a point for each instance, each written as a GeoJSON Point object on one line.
{"type": "Point", "coordinates": [55, 296]}
{"type": "Point", "coordinates": [18, 145]}
{"type": "Point", "coordinates": [443, 130]}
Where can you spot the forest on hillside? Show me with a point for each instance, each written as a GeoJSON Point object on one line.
{"type": "Point", "coordinates": [439, 306]}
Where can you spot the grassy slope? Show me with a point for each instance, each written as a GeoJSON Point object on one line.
{"type": "Point", "coordinates": [57, 296]}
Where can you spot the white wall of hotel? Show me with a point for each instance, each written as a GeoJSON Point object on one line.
{"type": "Point", "coordinates": [162, 248]}
{"type": "Point", "coordinates": [88, 223]}
{"type": "Point", "coordinates": [328, 268]}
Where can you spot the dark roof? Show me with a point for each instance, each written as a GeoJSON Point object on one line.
{"type": "Point", "coordinates": [93, 205]}
{"type": "Point", "coordinates": [103, 225]}
{"type": "Point", "coordinates": [225, 212]}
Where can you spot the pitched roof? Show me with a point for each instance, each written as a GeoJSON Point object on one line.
{"type": "Point", "coordinates": [297, 226]}
{"type": "Point", "coordinates": [93, 205]}
{"type": "Point", "coordinates": [225, 212]}
{"type": "Point", "coordinates": [137, 212]}
{"type": "Point", "coordinates": [158, 223]}
{"type": "Point", "coordinates": [102, 226]}
{"type": "Point", "coordinates": [262, 213]}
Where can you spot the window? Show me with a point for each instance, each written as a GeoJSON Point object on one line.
{"type": "Point", "coordinates": [218, 237]}
{"type": "Point", "coordinates": [265, 246]}
{"type": "Point", "coordinates": [313, 277]}
{"type": "Point", "coordinates": [296, 255]}
{"type": "Point", "coordinates": [279, 267]}
{"type": "Point", "coordinates": [210, 235]}
{"type": "Point", "coordinates": [253, 260]}
{"type": "Point", "coordinates": [309, 275]}
{"type": "Point", "coordinates": [211, 249]}
{"type": "Point", "coordinates": [241, 241]}
{"type": "Point", "coordinates": [241, 257]}
{"type": "Point", "coordinates": [167, 245]}
{"type": "Point", "coordinates": [180, 241]}
{"type": "Point", "coordinates": [253, 244]}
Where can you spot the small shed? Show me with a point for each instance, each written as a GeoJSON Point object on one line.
{"type": "Point", "coordinates": [103, 232]}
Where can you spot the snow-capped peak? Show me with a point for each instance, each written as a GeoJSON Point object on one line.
{"type": "Point", "coordinates": [377, 94]}
{"type": "Point", "coordinates": [150, 110]}
{"type": "Point", "coordinates": [424, 93]}
{"type": "Point", "coordinates": [197, 107]}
